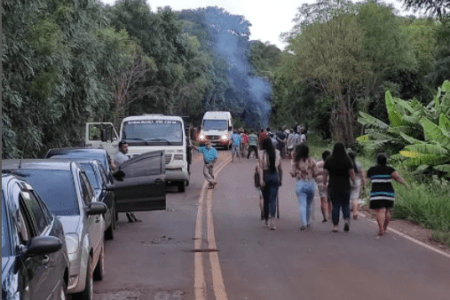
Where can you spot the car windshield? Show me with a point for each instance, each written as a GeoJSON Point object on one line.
{"type": "Point", "coordinates": [82, 154]}
{"type": "Point", "coordinates": [6, 249]}
{"type": "Point", "coordinates": [89, 169]}
{"type": "Point", "coordinates": [215, 125]}
{"type": "Point", "coordinates": [56, 188]}
{"type": "Point", "coordinates": [167, 131]}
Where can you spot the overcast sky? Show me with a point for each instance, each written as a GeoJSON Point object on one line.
{"type": "Point", "coordinates": [269, 18]}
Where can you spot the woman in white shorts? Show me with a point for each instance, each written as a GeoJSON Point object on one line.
{"type": "Point", "coordinates": [360, 182]}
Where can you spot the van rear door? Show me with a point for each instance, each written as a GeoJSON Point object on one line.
{"type": "Point", "coordinates": [95, 131]}
{"type": "Point", "coordinates": [144, 184]}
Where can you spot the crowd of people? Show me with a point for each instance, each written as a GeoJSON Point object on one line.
{"type": "Point", "coordinates": [338, 177]}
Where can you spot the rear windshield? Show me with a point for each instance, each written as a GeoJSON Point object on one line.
{"type": "Point", "coordinates": [89, 169]}
{"type": "Point", "coordinates": [6, 250]}
{"type": "Point", "coordinates": [56, 188]}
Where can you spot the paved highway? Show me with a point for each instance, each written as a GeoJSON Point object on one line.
{"type": "Point", "coordinates": [212, 245]}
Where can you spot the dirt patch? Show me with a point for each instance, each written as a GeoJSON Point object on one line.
{"type": "Point", "coordinates": [409, 228]}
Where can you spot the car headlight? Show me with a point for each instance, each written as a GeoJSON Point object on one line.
{"type": "Point", "coordinates": [224, 137]}
{"type": "Point", "coordinates": [202, 137]}
{"type": "Point", "coordinates": [72, 243]}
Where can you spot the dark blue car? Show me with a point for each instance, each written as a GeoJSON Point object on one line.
{"type": "Point", "coordinates": [35, 263]}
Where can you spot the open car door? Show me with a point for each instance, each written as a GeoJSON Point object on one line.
{"type": "Point", "coordinates": [144, 185]}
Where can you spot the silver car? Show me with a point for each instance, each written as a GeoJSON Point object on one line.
{"type": "Point", "coordinates": [65, 188]}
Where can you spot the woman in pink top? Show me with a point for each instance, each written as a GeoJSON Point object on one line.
{"type": "Point", "coordinates": [304, 169]}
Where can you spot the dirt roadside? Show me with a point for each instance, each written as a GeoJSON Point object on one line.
{"type": "Point", "coordinates": [408, 228]}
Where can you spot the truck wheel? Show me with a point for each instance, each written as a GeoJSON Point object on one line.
{"type": "Point", "coordinates": [181, 187]}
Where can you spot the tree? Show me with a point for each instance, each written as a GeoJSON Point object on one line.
{"type": "Point", "coordinates": [434, 7]}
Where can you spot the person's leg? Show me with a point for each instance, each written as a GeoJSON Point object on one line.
{"type": "Point", "coordinates": [336, 209]}
{"type": "Point", "coordinates": [302, 203]}
{"type": "Point", "coordinates": [381, 218]}
{"type": "Point", "coordinates": [266, 205]}
{"type": "Point", "coordinates": [249, 151]}
{"type": "Point", "coordinates": [311, 188]}
{"type": "Point", "coordinates": [273, 191]}
{"type": "Point", "coordinates": [346, 209]}
{"type": "Point", "coordinates": [211, 173]}
{"type": "Point", "coordinates": [208, 175]}
{"type": "Point", "coordinates": [354, 203]}
{"type": "Point", "coordinates": [387, 218]}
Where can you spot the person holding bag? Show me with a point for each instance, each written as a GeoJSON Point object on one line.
{"type": "Point", "coordinates": [270, 176]}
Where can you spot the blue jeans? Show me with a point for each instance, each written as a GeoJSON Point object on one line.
{"type": "Point", "coordinates": [270, 193]}
{"type": "Point", "coordinates": [340, 198]}
{"type": "Point", "coordinates": [305, 192]}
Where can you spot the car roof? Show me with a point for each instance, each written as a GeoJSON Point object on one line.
{"type": "Point", "coordinates": [42, 164]}
{"type": "Point", "coordinates": [152, 117]}
{"type": "Point", "coordinates": [74, 150]}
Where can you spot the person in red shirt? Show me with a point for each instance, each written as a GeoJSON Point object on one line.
{"type": "Point", "coordinates": [261, 136]}
{"type": "Point", "coordinates": [244, 144]}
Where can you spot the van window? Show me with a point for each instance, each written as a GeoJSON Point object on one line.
{"type": "Point", "coordinates": [153, 132]}
{"type": "Point", "coordinates": [215, 125]}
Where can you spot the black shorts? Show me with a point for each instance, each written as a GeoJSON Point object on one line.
{"type": "Point", "coordinates": [376, 204]}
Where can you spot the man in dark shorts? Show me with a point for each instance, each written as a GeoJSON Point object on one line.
{"type": "Point", "coordinates": [382, 195]}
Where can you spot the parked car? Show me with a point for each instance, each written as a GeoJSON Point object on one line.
{"type": "Point", "coordinates": [142, 188]}
{"type": "Point", "coordinates": [102, 190]}
{"type": "Point", "coordinates": [65, 188]}
{"type": "Point", "coordinates": [35, 263]}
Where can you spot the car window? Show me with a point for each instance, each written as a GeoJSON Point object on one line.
{"type": "Point", "coordinates": [103, 174]}
{"type": "Point", "coordinates": [23, 226]}
{"type": "Point", "coordinates": [93, 180]}
{"type": "Point", "coordinates": [56, 188]}
{"type": "Point", "coordinates": [87, 189]}
{"type": "Point", "coordinates": [33, 207]}
{"type": "Point", "coordinates": [43, 206]}
{"type": "Point", "coordinates": [6, 247]}
{"type": "Point", "coordinates": [101, 157]}
{"type": "Point", "coordinates": [144, 167]}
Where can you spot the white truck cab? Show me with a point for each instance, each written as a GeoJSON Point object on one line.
{"type": "Point", "coordinates": [217, 126]}
{"type": "Point", "coordinates": [145, 133]}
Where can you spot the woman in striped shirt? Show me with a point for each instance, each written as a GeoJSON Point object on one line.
{"type": "Point", "coordinates": [382, 194]}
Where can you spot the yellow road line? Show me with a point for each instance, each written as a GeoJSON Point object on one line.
{"type": "Point", "coordinates": [199, 281]}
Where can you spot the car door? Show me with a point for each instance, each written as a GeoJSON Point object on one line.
{"type": "Point", "coordinates": [144, 185]}
{"type": "Point", "coordinates": [106, 196]}
{"type": "Point", "coordinates": [34, 268]}
{"type": "Point", "coordinates": [94, 134]}
{"type": "Point", "coordinates": [94, 223]}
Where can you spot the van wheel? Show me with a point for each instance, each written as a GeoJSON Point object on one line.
{"type": "Point", "coordinates": [181, 187]}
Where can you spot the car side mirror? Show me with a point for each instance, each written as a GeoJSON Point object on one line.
{"type": "Point", "coordinates": [110, 187]}
{"type": "Point", "coordinates": [40, 245]}
{"type": "Point", "coordinates": [103, 135]}
{"type": "Point", "coordinates": [119, 175]}
{"type": "Point", "coordinates": [96, 208]}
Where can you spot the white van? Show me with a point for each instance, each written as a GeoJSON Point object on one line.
{"type": "Point", "coordinates": [145, 133]}
{"type": "Point", "coordinates": [217, 126]}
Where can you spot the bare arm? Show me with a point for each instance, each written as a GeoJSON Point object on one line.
{"type": "Point", "coordinates": [351, 172]}
{"type": "Point", "coordinates": [397, 178]}
{"type": "Point", "coordinates": [363, 177]}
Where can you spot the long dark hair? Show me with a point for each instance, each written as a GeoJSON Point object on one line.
{"type": "Point", "coordinates": [352, 156]}
{"type": "Point", "coordinates": [301, 152]}
{"type": "Point", "coordinates": [267, 146]}
{"type": "Point", "coordinates": [339, 158]}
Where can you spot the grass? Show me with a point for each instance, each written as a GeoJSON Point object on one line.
{"type": "Point", "coordinates": [426, 202]}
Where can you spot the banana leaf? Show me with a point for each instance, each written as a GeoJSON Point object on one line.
{"type": "Point", "coordinates": [395, 118]}
{"type": "Point", "coordinates": [427, 159]}
{"type": "Point", "coordinates": [435, 133]}
{"type": "Point", "coordinates": [443, 168]}
{"type": "Point", "coordinates": [422, 168]}
{"type": "Point", "coordinates": [429, 149]}
{"type": "Point", "coordinates": [444, 122]}
{"type": "Point", "coordinates": [410, 139]}
{"type": "Point", "coordinates": [370, 121]}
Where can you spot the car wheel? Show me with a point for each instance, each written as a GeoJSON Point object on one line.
{"type": "Point", "coordinates": [99, 271]}
{"type": "Point", "coordinates": [88, 293]}
{"type": "Point", "coordinates": [187, 183]}
{"type": "Point", "coordinates": [63, 293]}
{"type": "Point", "coordinates": [181, 187]}
{"type": "Point", "coordinates": [109, 233]}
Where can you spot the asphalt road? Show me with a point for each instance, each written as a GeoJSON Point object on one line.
{"type": "Point", "coordinates": [235, 257]}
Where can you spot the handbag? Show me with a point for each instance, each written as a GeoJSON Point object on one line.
{"type": "Point", "coordinates": [256, 178]}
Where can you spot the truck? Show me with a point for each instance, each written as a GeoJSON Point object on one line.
{"type": "Point", "coordinates": [146, 133]}
{"type": "Point", "coordinates": [217, 126]}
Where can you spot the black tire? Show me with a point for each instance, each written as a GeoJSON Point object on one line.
{"type": "Point", "coordinates": [63, 292]}
{"type": "Point", "coordinates": [99, 271]}
{"type": "Point", "coordinates": [181, 187]}
{"type": "Point", "coordinates": [187, 183]}
{"type": "Point", "coordinates": [88, 293]}
{"type": "Point", "coordinates": [109, 233]}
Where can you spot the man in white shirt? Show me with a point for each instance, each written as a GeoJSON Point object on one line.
{"type": "Point", "coordinates": [120, 158]}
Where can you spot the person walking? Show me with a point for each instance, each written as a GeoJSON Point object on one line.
{"type": "Point", "coordinates": [210, 157]}
{"type": "Point", "coordinates": [281, 141]}
{"type": "Point", "coordinates": [244, 144]}
{"type": "Point", "coordinates": [322, 186]}
{"type": "Point", "coordinates": [360, 182]}
{"type": "Point", "coordinates": [119, 158]}
{"type": "Point", "coordinates": [304, 169]}
{"type": "Point", "coordinates": [269, 167]}
{"type": "Point", "coordinates": [382, 195]}
{"type": "Point", "coordinates": [236, 142]}
{"type": "Point", "coordinates": [261, 136]}
{"type": "Point", "coordinates": [339, 168]}
{"type": "Point", "coordinates": [252, 144]}
{"type": "Point", "coordinates": [293, 139]}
